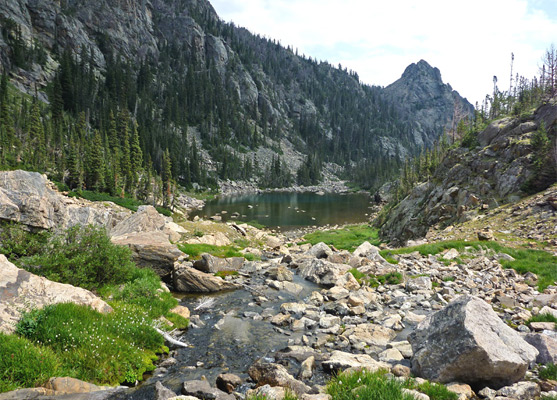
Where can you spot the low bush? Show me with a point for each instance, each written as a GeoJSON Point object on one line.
{"type": "Point", "coordinates": [24, 364]}
{"type": "Point", "coordinates": [84, 257]}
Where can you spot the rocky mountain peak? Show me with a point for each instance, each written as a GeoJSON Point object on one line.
{"type": "Point", "coordinates": [421, 95]}
{"type": "Point", "coordinates": [421, 71]}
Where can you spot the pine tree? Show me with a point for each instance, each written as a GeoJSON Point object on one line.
{"type": "Point", "coordinates": [95, 166]}
{"type": "Point", "coordinates": [166, 178]}
{"type": "Point", "coordinates": [72, 162]}
{"type": "Point", "coordinates": [37, 145]}
{"type": "Point", "coordinates": [136, 156]}
{"type": "Point", "coordinates": [125, 164]}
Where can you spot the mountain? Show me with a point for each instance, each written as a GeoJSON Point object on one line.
{"type": "Point", "coordinates": [428, 105]}
{"type": "Point", "coordinates": [224, 103]}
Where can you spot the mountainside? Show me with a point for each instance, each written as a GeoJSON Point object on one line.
{"type": "Point", "coordinates": [509, 159]}
{"type": "Point", "coordinates": [225, 103]}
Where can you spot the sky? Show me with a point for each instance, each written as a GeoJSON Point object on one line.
{"type": "Point", "coordinates": [469, 41]}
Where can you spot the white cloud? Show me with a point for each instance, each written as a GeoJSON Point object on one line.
{"type": "Point", "coordinates": [469, 41]}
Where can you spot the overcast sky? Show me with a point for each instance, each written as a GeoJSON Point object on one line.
{"type": "Point", "coordinates": [469, 41]}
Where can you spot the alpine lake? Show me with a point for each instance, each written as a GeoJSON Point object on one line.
{"type": "Point", "coordinates": [286, 211]}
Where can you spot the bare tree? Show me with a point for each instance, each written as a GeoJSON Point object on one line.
{"type": "Point", "coordinates": [549, 70]}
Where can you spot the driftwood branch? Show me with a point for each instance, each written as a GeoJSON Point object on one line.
{"type": "Point", "coordinates": [171, 340]}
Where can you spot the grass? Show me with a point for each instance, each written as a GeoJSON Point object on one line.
{"type": "Point", "coordinates": [435, 391]}
{"type": "Point", "coordinates": [195, 251]}
{"type": "Point", "coordinates": [224, 274]}
{"type": "Point", "coordinates": [392, 278]}
{"type": "Point", "coordinates": [543, 318]}
{"type": "Point", "coordinates": [549, 372]}
{"type": "Point", "coordinates": [348, 238]}
{"type": "Point", "coordinates": [86, 341]}
{"type": "Point", "coordinates": [24, 364]}
{"type": "Point", "coordinates": [366, 385]}
{"type": "Point", "coordinates": [539, 262]}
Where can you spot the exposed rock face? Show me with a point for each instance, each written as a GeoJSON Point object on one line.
{"type": "Point", "coordinates": [20, 291]}
{"type": "Point", "coordinates": [467, 342]}
{"type": "Point", "coordinates": [29, 198]}
{"type": "Point", "coordinates": [189, 280]}
{"type": "Point", "coordinates": [468, 182]}
{"type": "Point", "coordinates": [421, 93]}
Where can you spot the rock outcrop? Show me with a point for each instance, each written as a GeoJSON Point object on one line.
{"type": "Point", "coordinates": [467, 342]}
{"type": "Point", "coordinates": [30, 199]}
{"type": "Point", "coordinates": [467, 183]}
{"type": "Point", "coordinates": [21, 291]}
{"type": "Point", "coordinates": [148, 233]}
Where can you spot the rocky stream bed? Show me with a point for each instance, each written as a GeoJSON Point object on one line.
{"type": "Point", "coordinates": [296, 319]}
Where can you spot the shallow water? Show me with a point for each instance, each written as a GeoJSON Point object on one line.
{"type": "Point", "coordinates": [229, 341]}
{"type": "Point", "coordinates": [288, 211]}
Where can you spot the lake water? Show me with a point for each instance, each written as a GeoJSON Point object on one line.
{"type": "Point", "coordinates": [288, 211]}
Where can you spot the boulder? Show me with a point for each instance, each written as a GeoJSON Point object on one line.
{"type": "Point", "coordinates": [203, 390]}
{"type": "Point", "coordinates": [486, 234]}
{"type": "Point", "coordinates": [520, 391]}
{"type": "Point", "coordinates": [280, 273]}
{"type": "Point", "coordinates": [30, 199]}
{"type": "Point", "coordinates": [68, 385]}
{"type": "Point", "coordinates": [228, 382]}
{"type": "Point", "coordinates": [264, 373]}
{"type": "Point", "coordinates": [320, 250]}
{"type": "Point", "coordinates": [367, 250]}
{"type": "Point", "coordinates": [162, 392]}
{"type": "Point", "coordinates": [148, 233]}
{"type": "Point", "coordinates": [322, 272]}
{"type": "Point", "coordinates": [341, 360]}
{"type": "Point", "coordinates": [467, 342]}
{"type": "Point", "coordinates": [546, 346]}
{"type": "Point", "coordinates": [211, 264]}
{"type": "Point", "coordinates": [418, 283]}
{"type": "Point", "coordinates": [187, 279]}
{"type": "Point", "coordinates": [21, 290]}
{"type": "Point", "coordinates": [151, 250]}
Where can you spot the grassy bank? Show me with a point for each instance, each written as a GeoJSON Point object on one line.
{"type": "Point", "coordinates": [347, 238]}
{"type": "Point", "coordinates": [76, 341]}
{"type": "Point", "coordinates": [539, 262]}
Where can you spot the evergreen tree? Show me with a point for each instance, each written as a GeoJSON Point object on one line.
{"type": "Point", "coordinates": [136, 156]}
{"type": "Point", "coordinates": [94, 172]}
{"type": "Point", "coordinates": [166, 179]}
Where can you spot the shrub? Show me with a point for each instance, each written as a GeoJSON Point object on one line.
{"type": "Point", "coordinates": [16, 242]}
{"type": "Point", "coordinates": [23, 364]}
{"type": "Point", "coordinates": [84, 257]}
